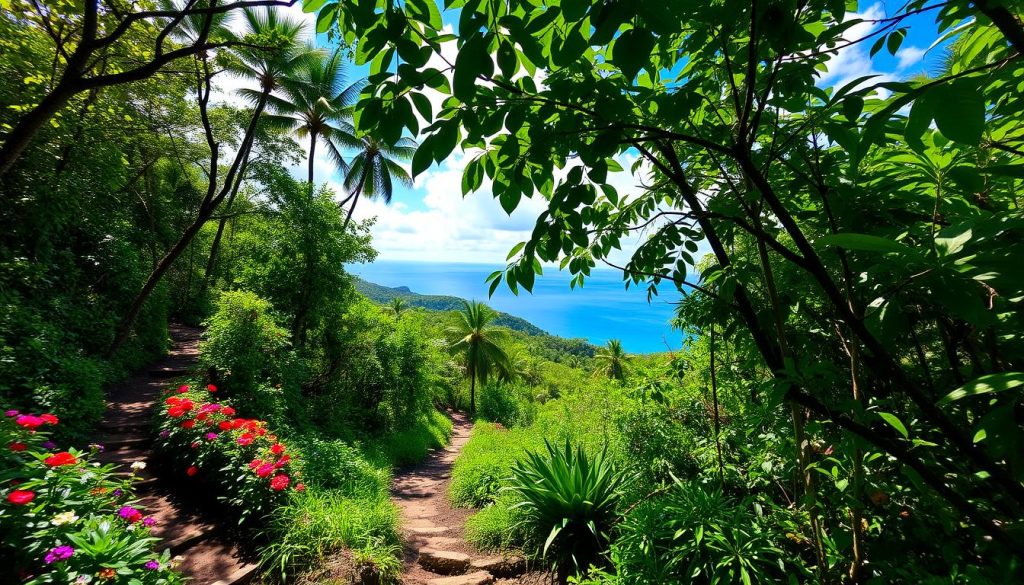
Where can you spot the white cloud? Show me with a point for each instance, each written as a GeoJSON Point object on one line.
{"type": "Point", "coordinates": [909, 56]}
{"type": "Point", "coordinates": [451, 228]}
{"type": "Point", "coordinates": [853, 61]}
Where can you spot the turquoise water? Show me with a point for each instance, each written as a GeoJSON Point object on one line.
{"type": "Point", "coordinates": [600, 311]}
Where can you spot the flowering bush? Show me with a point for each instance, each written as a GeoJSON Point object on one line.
{"type": "Point", "coordinates": [66, 520]}
{"type": "Point", "coordinates": [251, 470]}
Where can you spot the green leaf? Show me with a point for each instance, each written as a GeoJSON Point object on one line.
{"type": "Point", "coordinates": [423, 106]}
{"type": "Point", "coordinates": [508, 62]}
{"type": "Point", "coordinates": [896, 423]}
{"type": "Point", "coordinates": [423, 156]}
{"type": "Point", "coordinates": [426, 11]}
{"type": "Point", "coordinates": [961, 112]}
{"type": "Point", "coordinates": [632, 51]}
{"type": "Point", "coordinates": [312, 5]}
{"type": "Point", "coordinates": [863, 242]}
{"type": "Point", "coordinates": [895, 40]}
{"type": "Point", "coordinates": [468, 65]}
{"type": "Point", "coordinates": [985, 385]}
{"type": "Point", "coordinates": [325, 20]}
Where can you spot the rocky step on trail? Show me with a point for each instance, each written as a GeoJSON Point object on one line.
{"type": "Point", "coordinates": [210, 555]}
{"type": "Point", "coordinates": [436, 552]}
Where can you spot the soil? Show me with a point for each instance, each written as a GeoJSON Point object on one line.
{"type": "Point", "coordinates": [428, 519]}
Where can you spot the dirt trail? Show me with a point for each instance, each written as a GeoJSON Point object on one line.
{"type": "Point", "coordinates": [436, 552]}
{"type": "Point", "coordinates": [210, 557]}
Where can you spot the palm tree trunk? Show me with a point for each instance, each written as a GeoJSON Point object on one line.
{"type": "Point", "coordinates": [312, 157]}
{"type": "Point", "coordinates": [211, 263]}
{"type": "Point", "coordinates": [355, 199]}
{"type": "Point", "coordinates": [472, 392]}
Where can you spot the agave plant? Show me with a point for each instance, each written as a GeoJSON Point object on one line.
{"type": "Point", "coordinates": [572, 497]}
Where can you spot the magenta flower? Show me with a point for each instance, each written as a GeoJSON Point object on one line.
{"type": "Point", "coordinates": [211, 436]}
{"type": "Point", "coordinates": [11, 413]}
{"type": "Point", "coordinates": [59, 553]}
{"type": "Point", "coordinates": [152, 565]}
{"type": "Point", "coordinates": [149, 521]}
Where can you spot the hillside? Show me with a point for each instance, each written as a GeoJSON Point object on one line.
{"type": "Point", "coordinates": [383, 294]}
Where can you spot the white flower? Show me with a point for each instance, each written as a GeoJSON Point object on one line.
{"type": "Point", "coordinates": [97, 464]}
{"type": "Point", "coordinates": [138, 466]}
{"type": "Point", "coordinates": [64, 518]}
{"type": "Point", "coordinates": [83, 579]}
{"type": "Point", "coordinates": [130, 528]}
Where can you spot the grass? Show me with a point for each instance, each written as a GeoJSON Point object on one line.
{"type": "Point", "coordinates": [347, 504]}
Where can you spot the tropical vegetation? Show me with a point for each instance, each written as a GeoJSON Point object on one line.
{"type": "Point", "coordinates": [840, 249]}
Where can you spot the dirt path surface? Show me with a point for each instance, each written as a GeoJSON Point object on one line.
{"type": "Point", "coordinates": [436, 552]}
{"type": "Point", "coordinates": [210, 557]}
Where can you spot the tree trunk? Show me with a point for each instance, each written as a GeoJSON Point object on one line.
{"type": "Point", "coordinates": [472, 392]}
{"type": "Point", "coordinates": [22, 134]}
{"type": "Point", "coordinates": [206, 210]}
{"type": "Point", "coordinates": [312, 157]}
{"type": "Point", "coordinates": [211, 263]}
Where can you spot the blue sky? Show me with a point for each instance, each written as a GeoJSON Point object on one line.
{"type": "Point", "coordinates": [433, 222]}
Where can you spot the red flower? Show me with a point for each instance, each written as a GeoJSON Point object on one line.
{"type": "Point", "coordinates": [173, 400]}
{"type": "Point", "coordinates": [49, 419]}
{"type": "Point", "coordinates": [228, 411]}
{"type": "Point", "coordinates": [188, 424]}
{"type": "Point", "coordinates": [211, 387]}
{"type": "Point", "coordinates": [261, 431]}
{"type": "Point", "coordinates": [255, 463]}
{"type": "Point", "coordinates": [195, 444]}
{"type": "Point", "coordinates": [279, 482]}
{"type": "Point", "coordinates": [300, 487]}
{"type": "Point", "coordinates": [245, 439]}
{"type": "Point", "coordinates": [277, 449]}
{"type": "Point", "coordinates": [175, 411]}
{"type": "Point", "coordinates": [225, 425]}
{"type": "Point", "coordinates": [265, 469]}
{"type": "Point", "coordinates": [28, 421]}
{"type": "Point", "coordinates": [20, 497]}
{"type": "Point", "coordinates": [16, 446]}
{"type": "Point", "coordinates": [182, 389]}
{"type": "Point", "coordinates": [191, 471]}
{"type": "Point", "coordinates": [202, 416]}
{"type": "Point", "coordinates": [62, 458]}
{"type": "Point", "coordinates": [282, 461]}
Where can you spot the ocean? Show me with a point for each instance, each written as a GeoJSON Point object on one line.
{"type": "Point", "coordinates": [600, 311]}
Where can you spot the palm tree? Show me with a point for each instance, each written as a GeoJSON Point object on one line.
{"type": "Point", "coordinates": [267, 68]}
{"type": "Point", "coordinates": [374, 171]}
{"type": "Point", "coordinates": [317, 105]}
{"type": "Point", "coordinates": [613, 360]}
{"type": "Point", "coordinates": [398, 306]}
{"type": "Point", "coordinates": [473, 336]}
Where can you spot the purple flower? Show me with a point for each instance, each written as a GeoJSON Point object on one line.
{"type": "Point", "coordinates": [149, 521]}
{"type": "Point", "coordinates": [11, 413]}
{"type": "Point", "coordinates": [165, 434]}
{"type": "Point", "coordinates": [211, 436]}
{"type": "Point", "coordinates": [130, 514]}
{"type": "Point", "coordinates": [59, 554]}
{"type": "Point", "coordinates": [152, 565]}
{"type": "Point", "coordinates": [117, 493]}
{"type": "Point", "coordinates": [96, 448]}
{"type": "Point", "coordinates": [49, 445]}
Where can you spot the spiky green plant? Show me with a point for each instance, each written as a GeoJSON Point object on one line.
{"type": "Point", "coordinates": [571, 496]}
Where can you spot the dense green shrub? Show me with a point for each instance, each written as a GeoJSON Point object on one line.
{"type": "Point", "coordinates": [64, 520]}
{"type": "Point", "coordinates": [508, 404]}
{"type": "Point", "coordinates": [568, 498]}
{"type": "Point", "coordinates": [243, 344]}
{"type": "Point", "coordinates": [334, 464]}
{"type": "Point", "coordinates": [696, 534]}
{"type": "Point", "coordinates": [484, 465]}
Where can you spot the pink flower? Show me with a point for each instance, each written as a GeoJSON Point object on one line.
{"type": "Point", "coordinates": [279, 482]}
{"type": "Point", "coordinates": [246, 439]}
{"type": "Point", "coordinates": [28, 421]}
{"type": "Point", "coordinates": [130, 514]}
{"type": "Point", "coordinates": [265, 469]}
{"type": "Point", "coordinates": [182, 389]}
{"type": "Point", "coordinates": [211, 436]}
